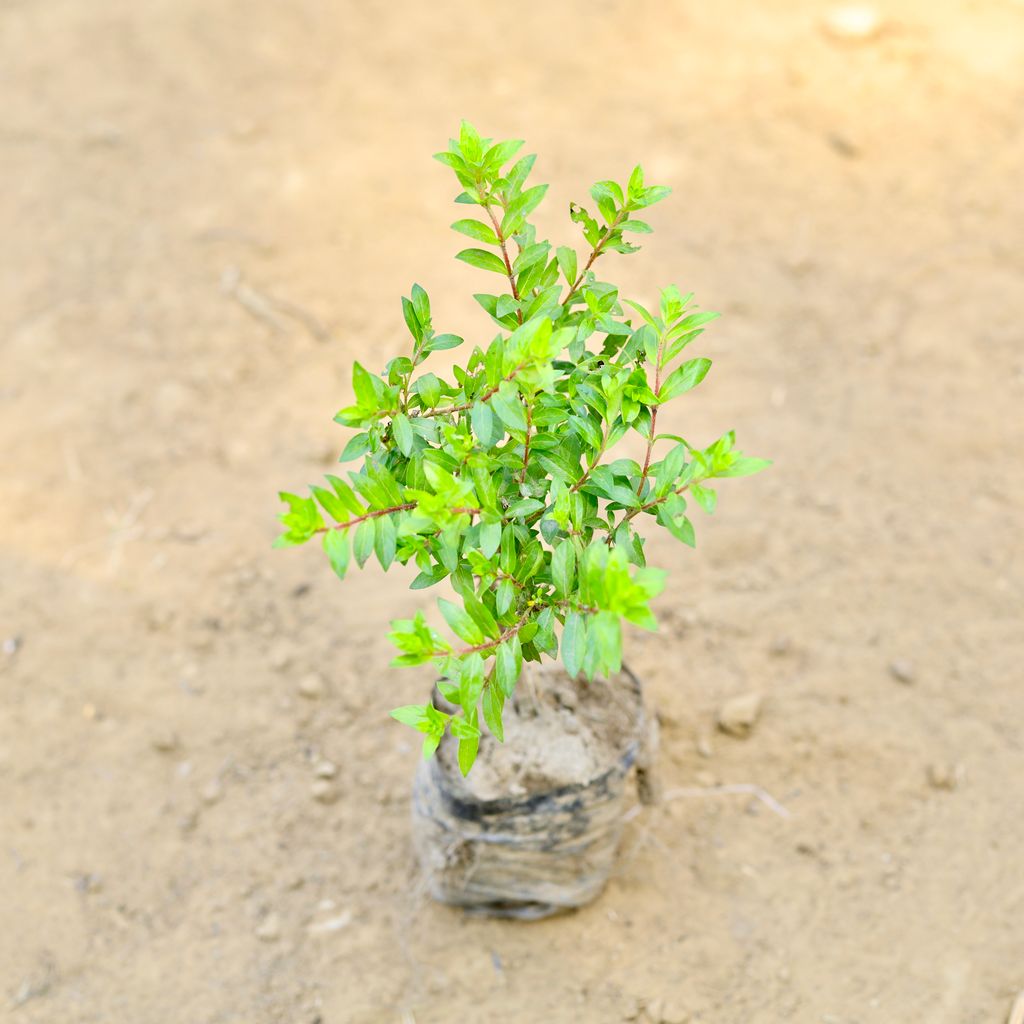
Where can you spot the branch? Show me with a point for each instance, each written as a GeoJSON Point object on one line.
{"type": "Point", "coordinates": [451, 409]}
{"type": "Point", "coordinates": [378, 512]}
{"type": "Point", "coordinates": [598, 249]}
{"type": "Point", "coordinates": [504, 256]}
{"type": "Point", "coordinates": [654, 416]}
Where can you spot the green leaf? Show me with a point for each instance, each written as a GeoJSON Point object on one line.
{"type": "Point", "coordinates": [404, 437]}
{"type": "Point", "coordinates": [683, 378]}
{"type": "Point", "coordinates": [523, 507]}
{"type": "Point", "coordinates": [480, 614]}
{"type": "Point", "coordinates": [478, 230]}
{"type": "Point", "coordinates": [421, 303]}
{"type": "Point", "coordinates": [574, 639]}
{"type": "Point", "coordinates": [745, 466]}
{"type": "Point", "coordinates": [490, 538]}
{"type": "Point", "coordinates": [467, 753]}
{"type": "Point", "coordinates": [482, 259]}
{"type": "Point", "coordinates": [442, 341]}
{"type": "Point", "coordinates": [385, 541]}
{"type": "Point", "coordinates": [493, 702]}
{"type": "Point", "coordinates": [356, 447]}
{"type": "Point", "coordinates": [482, 419]}
{"type": "Point", "coordinates": [563, 568]}
{"type": "Point", "coordinates": [705, 497]}
{"type": "Point", "coordinates": [506, 671]}
{"type": "Point", "coordinates": [362, 543]}
{"type": "Point", "coordinates": [461, 622]}
{"type": "Point", "coordinates": [509, 409]}
{"type": "Point", "coordinates": [410, 714]}
{"type": "Point", "coordinates": [362, 384]}
{"type": "Point", "coordinates": [504, 596]}
{"type": "Point", "coordinates": [336, 545]}
{"type": "Point", "coordinates": [567, 263]}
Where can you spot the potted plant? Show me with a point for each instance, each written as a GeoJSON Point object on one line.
{"type": "Point", "coordinates": [498, 480]}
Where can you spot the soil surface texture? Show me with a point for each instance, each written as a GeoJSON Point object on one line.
{"type": "Point", "coordinates": [209, 210]}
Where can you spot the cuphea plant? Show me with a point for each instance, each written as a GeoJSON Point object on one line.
{"type": "Point", "coordinates": [498, 479]}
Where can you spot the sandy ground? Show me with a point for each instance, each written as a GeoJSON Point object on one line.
{"type": "Point", "coordinates": [208, 210]}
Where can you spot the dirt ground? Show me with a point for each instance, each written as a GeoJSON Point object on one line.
{"type": "Point", "coordinates": [208, 210]}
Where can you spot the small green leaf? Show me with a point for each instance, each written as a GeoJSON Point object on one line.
{"type": "Point", "coordinates": [705, 497]}
{"type": "Point", "coordinates": [356, 447]}
{"type": "Point", "coordinates": [478, 230]}
{"type": "Point", "coordinates": [504, 595]}
{"type": "Point", "coordinates": [490, 538]}
{"type": "Point", "coordinates": [567, 263]}
{"type": "Point", "coordinates": [482, 259]}
{"type": "Point", "coordinates": [505, 669]}
{"type": "Point", "coordinates": [509, 409]}
{"type": "Point", "coordinates": [404, 436]}
{"type": "Point", "coordinates": [362, 543]}
{"type": "Point", "coordinates": [574, 639]}
{"type": "Point", "coordinates": [745, 466]}
{"type": "Point", "coordinates": [493, 702]}
{"type": "Point", "coordinates": [467, 753]}
{"type": "Point", "coordinates": [461, 622]}
{"type": "Point", "coordinates": [336, 544]}
{"type": "Point", "coordinates": [482, 419]}
{"type": "Point", "coordinates": [683, 378]}
{"type": "Point", "coordinates": [563, 568]}
{"type": "Point", "coordinates": [385, 541]}
{"type": "Point", "coordinates": [410, 714]}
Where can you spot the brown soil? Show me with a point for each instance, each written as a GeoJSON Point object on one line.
{"type": "Point", "coordinates": [557, 731]}
{"type": "Point", "coordinates": [208, 210]}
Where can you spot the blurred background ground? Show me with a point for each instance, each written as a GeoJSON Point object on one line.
{"type": "Point", "coordinates": [209, 209]}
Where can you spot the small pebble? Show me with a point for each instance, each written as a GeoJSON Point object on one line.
{"type": "Point", "coordinates": [269, 929]}
{"type": "Point", "coordinates": [738, 715]}
{"type": "Point", "coordinates": [902, 671]}
{"type": "Point", "coordinates": [855, 23]}
{"type": "Point", "coordinates": [945, 776]}
{"type": "Point", "coordinates": [331, 924]}
{"type": "Point", "coordinates": [212, 791]}
{"type": "Point", "coordinates": [282, 654]}
{"type": "Point", "coordinates": [704, 745]}
{"type": "Point", "coordinates": [165, 741]}
{"type": "Point", "coordinates": [312, 687]}
{"type": "Point", "coordinates": [672, 1013]}
{"type": "Point", "coordinates": [11, 645]}
{"type": "Point", "coordinates": [323, 790]}
{"type": "Point", "coordinates": [325, 769]}
{"type": "Point", "coordinates": [781, 646]}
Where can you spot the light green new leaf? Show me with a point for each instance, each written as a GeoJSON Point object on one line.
{"type": "Point", "coordinates": [362, 543]}
{"type": "Point", "coordinates": [461, 622]}
{"type": "Point", "coordinates": [404, 436]}
{"type": "Point", "coordinates": [683, 378]}
{"type": "Point", "coordinates": [336, 545]}
{"type": "Point", "coordinates": [509, 409]}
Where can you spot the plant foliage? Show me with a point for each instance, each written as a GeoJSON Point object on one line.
{"type": "Point", "coordinates": [500, 479]}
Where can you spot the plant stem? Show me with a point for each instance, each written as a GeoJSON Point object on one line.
{"type": "Point", "coordinates": [376, 513]}
{"type": "Point", "coordinates": [526, 443]}
{"type": "Point", "coordinates": [504, 256]}
{"type": "Point", "coordinates": [654, 416]}
{"type": "Point", "coordinates": [489, 393]}
{"type": "Point", "coordinates": [598, 249]}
